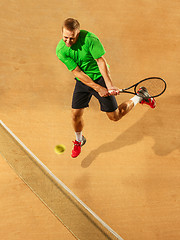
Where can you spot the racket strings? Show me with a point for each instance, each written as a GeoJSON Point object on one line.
{"type": "Point", "coordinates": [154, 86]}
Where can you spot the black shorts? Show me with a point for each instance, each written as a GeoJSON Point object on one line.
{"type": "Point", "coordinates": [82, 96]}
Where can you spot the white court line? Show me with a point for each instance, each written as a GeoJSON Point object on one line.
{"type": "Point", "coordinates": [62, 184]}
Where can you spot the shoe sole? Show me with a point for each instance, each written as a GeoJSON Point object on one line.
{"type": "Point", "coordinates": [83, 141]}
{"type": "Point", "coordinates": [144, 94]}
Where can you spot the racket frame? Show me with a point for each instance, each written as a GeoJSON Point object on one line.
{"type": "Point", "coordinates": [124, 90]}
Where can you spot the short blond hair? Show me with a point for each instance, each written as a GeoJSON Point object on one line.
{"type": "Point", "coordinates": [71, 24]}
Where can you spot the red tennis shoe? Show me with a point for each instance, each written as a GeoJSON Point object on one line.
{"type": "Point", "coordinates": [77, 147]}
{"type": "Point", "coordinates": [147, 99]}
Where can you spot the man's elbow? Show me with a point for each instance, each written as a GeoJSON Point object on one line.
{"type": "Point", "coordinates": [100, 60]}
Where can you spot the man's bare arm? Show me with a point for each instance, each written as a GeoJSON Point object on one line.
{"type": "Point", "coordinates": [103, 92]}
{"type": "Point", "coordinates": [106, 75]}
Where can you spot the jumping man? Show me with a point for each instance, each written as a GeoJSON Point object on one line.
{"type": "Point", "coordinates": [83, 54]}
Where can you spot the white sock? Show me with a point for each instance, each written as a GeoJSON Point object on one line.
{"type": "Point", "coordinates": [136, 99]}
{"type": "Point", "coordinates": [78, 136]}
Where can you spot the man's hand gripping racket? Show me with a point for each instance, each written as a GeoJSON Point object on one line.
{"type": "Point", "coordinates": [156, 86]}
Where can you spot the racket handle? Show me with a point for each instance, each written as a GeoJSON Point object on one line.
{"type": "Point", "coordinates": [110, 91]}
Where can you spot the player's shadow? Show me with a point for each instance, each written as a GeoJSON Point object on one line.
{"type": "Point", "coordinates": [162, 124]}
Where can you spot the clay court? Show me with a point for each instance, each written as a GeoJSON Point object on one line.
{"type": "Point", "coordinates": [128, 171]}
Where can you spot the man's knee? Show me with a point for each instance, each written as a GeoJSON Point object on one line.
{"type": "Point", "coordinates": [113, 116]}
{"type": "Point", "coordinates": [77, 114]}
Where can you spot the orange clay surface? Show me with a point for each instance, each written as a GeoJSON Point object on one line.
{"type": "Point", "coordinates": [128, 171]}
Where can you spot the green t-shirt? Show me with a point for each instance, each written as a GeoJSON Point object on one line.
{"type": "Point", "coordinates": [82, 54]}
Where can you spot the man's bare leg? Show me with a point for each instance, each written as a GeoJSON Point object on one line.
{"type": "Point", "coordinates": [121, 111]}
{"type": "Point", "coordinates": [78, 125]}
{"type": "Point", "coordinates": [77, 119]}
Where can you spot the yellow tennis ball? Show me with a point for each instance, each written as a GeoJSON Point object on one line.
{"type": "Point", "coordinates": [60, 149]}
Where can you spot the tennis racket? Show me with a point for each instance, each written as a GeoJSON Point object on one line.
{"type": "Point", "coordinates": [155, 86]}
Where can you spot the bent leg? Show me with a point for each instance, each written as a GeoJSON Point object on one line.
{"type": "Point", "coordinates": [121, 111]}
{"type": "Point", "coordinates": [77, 119]}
